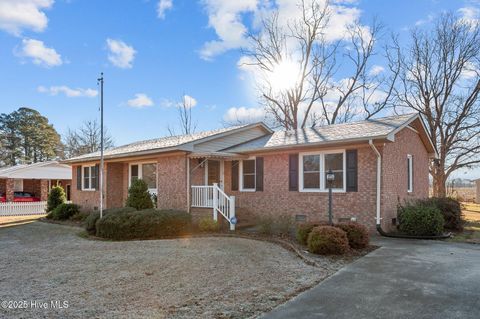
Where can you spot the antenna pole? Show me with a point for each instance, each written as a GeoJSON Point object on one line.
{"type": "Point", "coordinates": [100, 80]}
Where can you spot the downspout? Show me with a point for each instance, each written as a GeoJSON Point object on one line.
{"type": "Point", "coordinates": [379, 186]}
{"type": "Point", "coordinates": [188, 183]}
{"type": "Point", "coordinates": [379, 189]}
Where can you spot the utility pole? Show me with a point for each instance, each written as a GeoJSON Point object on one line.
{"type": "Point", "coordinates": [100, 80]}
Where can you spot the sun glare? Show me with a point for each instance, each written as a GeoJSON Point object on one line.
{"type": "Point", "coordinates": [284, 76]}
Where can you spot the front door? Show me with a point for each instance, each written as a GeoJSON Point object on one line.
{"type": "Point", "coordinates": [213, 172]}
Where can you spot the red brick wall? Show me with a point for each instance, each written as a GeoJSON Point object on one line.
{"type": "Point", "coordinates": [88, 200]}
{"type": "Point", "coordinates": [171, 179]}
{"type": "Point", "coordinates": [172, 182]}
{"type": "Point", "coordinates": [394, 173]}
{"type": "Point", "coordinates": [276, 199]}
{"type": "Point", "coordinates": [115, 187]}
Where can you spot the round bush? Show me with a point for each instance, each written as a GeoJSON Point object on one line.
{"type": "Point", "coordinates": [56, 197]}
{"type": "Point", "coordinates": [420, 220]}
{"type": "Point", "coordinates": [92, 218]}
{"type": "Point", "coordinates": [143, 224]}
{"type": "Point", "coordinates": [303, 230]}
{"type": "Point", "coordinates": [357, 234]}
{"type": "Point", "coordinates": [327, 240]}
{"type": "Point", "coordinates": [450, 208]}
{"type": "Point", "coordinates": [208, 225]}
{"type": "Point", "coordinates": [64, 211]}
{"type": "Point", "coordinates": [138, 196]}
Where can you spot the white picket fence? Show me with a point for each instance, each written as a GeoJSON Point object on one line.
{"type": "Point", "coordinates": [18, 209]}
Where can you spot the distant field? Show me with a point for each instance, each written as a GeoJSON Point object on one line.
{"type": "Point", "coordinates": [463, 194]}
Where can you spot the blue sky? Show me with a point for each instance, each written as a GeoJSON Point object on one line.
{"type": "Point", "coordinates": [152, 53]}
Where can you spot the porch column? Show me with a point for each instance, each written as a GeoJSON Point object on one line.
{"type": "Point", "coordinates": [44, 189]}
{"type": "Point", "coordinates": [9, 185]}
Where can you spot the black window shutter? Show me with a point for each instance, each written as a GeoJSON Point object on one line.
{"type": "Point", "coordinates": [352, 171]}
{"type": "Point", "coordinates": [234, 175]}
{"type": "Point", "coordinates": [293, 172]}
{"type": "Point", "coordinates": [97, 176]}
{"type": "Point", "coordinates": [79, 178]}
{"type": "Point", "coordinates": [259, 174]}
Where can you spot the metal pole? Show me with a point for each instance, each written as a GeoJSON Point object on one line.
{"type": "Point", "coordinates": [330, 217]}
{"type": "Point", "coordinates": [101, 144]}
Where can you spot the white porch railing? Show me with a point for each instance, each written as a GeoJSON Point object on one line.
{"type": "Point", "coordinates": [215, 198]}
{"type": "Point", "coordinates": [19, 208]}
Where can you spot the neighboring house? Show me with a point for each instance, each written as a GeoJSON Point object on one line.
{"type": "Point", "coordinates": [33, 182]}
{"type": "Point", "coordinates": [272, 173]}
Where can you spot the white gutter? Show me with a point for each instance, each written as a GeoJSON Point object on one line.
{"type": "Point", "coordinates": [379, 179]}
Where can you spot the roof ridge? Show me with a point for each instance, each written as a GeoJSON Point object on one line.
{"type": "Point", "coordinates": [352, 123]}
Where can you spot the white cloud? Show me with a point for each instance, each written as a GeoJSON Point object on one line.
{"type": "Point", "coordinates": [428, 19]}
{"type": "Point", "coordinates": [189, 101]}
{"type": "Point", "coordinates": [121, 55]}
{"type": "Point", "coordinates": [39, 53]}
{"type": "Point", "coordinates": [376, 70]}
{"type": "Point", "coordinates": [17, 15]}
{"type": "Point", "coordinates": [244, 115]}
{"type": "Point", "coordinates": [226, 17]}
{"type": "Point", "coordinates": [141, 100]}
{"type": "Point", "coordinates": [69, 92]}
{"type": "Point", "coordinates": [469, 14]}
{"type": "Point", "coordinates": [162, 7]}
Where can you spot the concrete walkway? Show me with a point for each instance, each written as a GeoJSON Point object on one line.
{"type": "Point", "coordinates": [402, 279]}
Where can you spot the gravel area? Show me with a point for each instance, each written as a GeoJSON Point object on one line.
{"type": "Point", "coordinates": [178, 278]}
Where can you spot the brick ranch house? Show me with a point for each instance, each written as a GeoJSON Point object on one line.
{"type": "Point", "coordinates": [33, 179]}
{"type": "Point", "coordinates": [377, 164]}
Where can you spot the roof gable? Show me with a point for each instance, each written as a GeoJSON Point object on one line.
{"type": "Point", "coordinates": [169, 143]}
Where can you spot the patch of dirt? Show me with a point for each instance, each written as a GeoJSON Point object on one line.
{"type": "Point", "coordinates": [210, 277]}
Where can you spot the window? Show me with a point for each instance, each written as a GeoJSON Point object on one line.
{"type": "Point", "coordinates": [314, 168]}
{"type": "Point", "coordinates": [410, 173]}
{"type": "Point", "coordinates": [146, 172]}
{"type": "Point", "coordinates": [311, 171]}
{"type": "Point", "coordinates": [247, 175]}
{"type": "Point", "coordinates": [334, 162]}
{"type": "Point", "coordinates": [89, 178]}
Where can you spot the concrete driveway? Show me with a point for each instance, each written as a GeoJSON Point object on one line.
{"type": "Point", "coordinates": [402, 279]}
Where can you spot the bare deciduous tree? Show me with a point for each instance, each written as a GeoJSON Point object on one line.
{"type": "Point", "coordinates": [86, 139]}
{"type": "Point", "coordinates": [185, 119]}
{"type": "Point", "coordinates": [440, 78]}
{"type": "Point", "coordinates": [313, 94]}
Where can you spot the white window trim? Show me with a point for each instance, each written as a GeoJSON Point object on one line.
{"type": "Point", "coordinates": [254, 175]}
{"type": "Point", "coordinates": [410, 173]}
{"type": "Point", "coordinates": [323, 188]}
{"type": "Point", "coordinates": [140, 174]}
{"type": "Point", "coordinates": [89, 188]}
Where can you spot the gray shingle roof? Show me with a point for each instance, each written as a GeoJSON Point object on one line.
{"type": "Point", "coordinates": [363, 130]}
{"type": "Point", "coordinates": [159, 144]}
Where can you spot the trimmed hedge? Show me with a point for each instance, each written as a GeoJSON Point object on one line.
{"type": "Point", "coordinates": [91, 220]}
{"type": "Point", "coordinates": [357, 234]}
{"type": "Point", "coordinates": [451, 210]}
{"type": "Point", "coordinates": [420, 220]}
{"type": "Point", "coordinates": [303, 230]}
{"type": "Point", "coordinates": [144, 224]}
{"type": "Point", "coordinates": [208, 225]}
{"type": "Point", "coordinates": [327, 240]}
{"type": "Point", "coordinates": [64, 212]}
{"type": "Point", "coordinates": [56, 197]}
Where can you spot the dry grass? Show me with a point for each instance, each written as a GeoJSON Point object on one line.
{"type": "Point", "coordinates": [7, 221]}
{"type": "Point", "coordinates": [471, 232]}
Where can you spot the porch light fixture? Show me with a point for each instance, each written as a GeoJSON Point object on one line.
{"type": "Point", "coordinates": [330, 180]}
